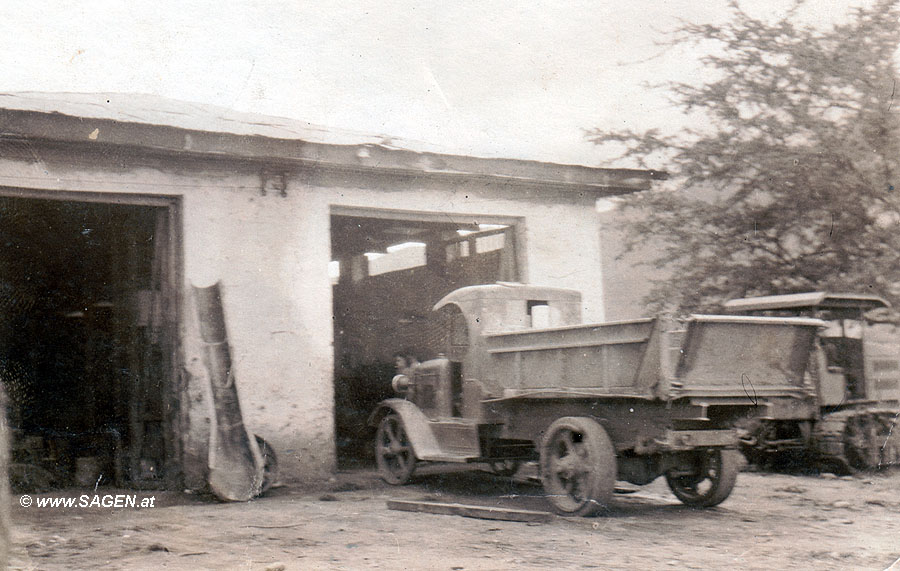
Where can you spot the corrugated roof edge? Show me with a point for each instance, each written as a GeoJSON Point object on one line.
{"type": "Point", "coordinates": [155, 110]}
{"type": "Point", "coordinates": [174, 126]}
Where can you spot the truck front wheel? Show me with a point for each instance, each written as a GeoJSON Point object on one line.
{"type": "Point", "coordinates": [578, 466]}
{"type": "Point", "coordinates": [714, 475]}
{"type": "Point", "coordinates": [393, 451]}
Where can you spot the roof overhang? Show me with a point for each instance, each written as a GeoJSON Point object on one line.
{"type": "Point", "coordinates": [41, 122]}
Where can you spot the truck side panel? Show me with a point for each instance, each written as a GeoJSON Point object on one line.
{"type": "Point", "coordinates": [748, 357]}
{"type": "Point", "coordinates": [602, 358]}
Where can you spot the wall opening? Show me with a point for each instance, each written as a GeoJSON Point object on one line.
{"type": "Point", "coordinates": [388, 270]}
{"type": "Point", "coordinates": [88, 339]}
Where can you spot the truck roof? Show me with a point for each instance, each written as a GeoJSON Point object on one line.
{"type": "Point", "coordinates": [509, 290]}
{"type": "Point", "coordinates": [816, 299]}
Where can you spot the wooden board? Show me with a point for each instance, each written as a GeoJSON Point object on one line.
{"type": "Point", "coordinates": [481, 512]}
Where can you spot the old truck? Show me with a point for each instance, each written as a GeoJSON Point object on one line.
{"type": "Point", "coordinates": [518, 377]}
{"type": "Point", "coordinates": [847, 419]}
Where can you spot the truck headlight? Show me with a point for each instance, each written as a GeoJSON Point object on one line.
{"type": "Point", "coordinates": [400, 384]}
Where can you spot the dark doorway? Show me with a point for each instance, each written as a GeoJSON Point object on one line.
{"type": "Point", "coordinates": [88, 340]}
{"type": "Point", "coordinates": [388, 271]}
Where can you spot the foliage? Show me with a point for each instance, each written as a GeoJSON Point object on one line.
{"type": "Point", "coordinates": [790, 182]}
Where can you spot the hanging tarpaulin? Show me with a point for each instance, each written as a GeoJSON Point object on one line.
{"type": "Point", "coordinates": [235, 462]}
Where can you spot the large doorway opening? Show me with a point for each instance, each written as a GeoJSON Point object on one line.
{"type": "Point", "coordinates": [388, 270]}
{"type": "Point", "coordinates": [88, 339]}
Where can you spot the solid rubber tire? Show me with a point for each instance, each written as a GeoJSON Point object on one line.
{"type": "Point", "coordinates": [598, 479]}
{"type": "Point", "coordinates": [722, 485]}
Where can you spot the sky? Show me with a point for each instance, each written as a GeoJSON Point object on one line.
{"type": "Point", "coordinates": [517, 79]}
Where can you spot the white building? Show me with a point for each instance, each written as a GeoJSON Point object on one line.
{"type": "Point", "coordinates": [111, 206]}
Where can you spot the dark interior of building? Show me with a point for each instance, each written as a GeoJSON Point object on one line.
{"type": "Point", "coordinates": [388, 275]}
{"type": "Point", "coordinates": [84, 341]}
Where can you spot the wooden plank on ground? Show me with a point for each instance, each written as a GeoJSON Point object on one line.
{"type": "Point", "coordinates": [481, 512]}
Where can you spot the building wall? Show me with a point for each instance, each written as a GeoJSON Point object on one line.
{"type": "Point", "coordinates": [628, 276]}
{"type": "Point", "coordinates": [271, 254]}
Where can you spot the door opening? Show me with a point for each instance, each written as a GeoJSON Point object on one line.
{"type": "Point", "coordinates": [388, 270]}
{"type": "Point", "coordinates": [88, 340]}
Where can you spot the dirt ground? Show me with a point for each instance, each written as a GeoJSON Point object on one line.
{"type": "Point", "coordinates": [771, 521]}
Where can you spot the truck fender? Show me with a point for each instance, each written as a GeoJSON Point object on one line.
{"type": "Point", "coordinates": [418, 429]}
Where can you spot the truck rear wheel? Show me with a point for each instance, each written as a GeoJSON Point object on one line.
{"type": "Point", "coordinates": [712, 482]}
{"type": "Point", "coordinates": [578, 466]}
{"type": "Point", "coordinates": [862, 442]}
{"type": "Point", "coordinates": [393, 451]}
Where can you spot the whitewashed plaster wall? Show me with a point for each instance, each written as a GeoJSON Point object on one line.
{"type": "Point", "coordinates": [271, 254]}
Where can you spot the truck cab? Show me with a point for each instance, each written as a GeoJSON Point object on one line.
{"type": "Point", "coordinates": [443, 398]}
{"type": "Point", "coordinates": [471, 313]}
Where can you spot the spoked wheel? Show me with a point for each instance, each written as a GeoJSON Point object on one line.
{"type": "Point", "coordinates": [578, 466]}
{"type": "Point", "coordinates": [712, 482]}
{"type": "Point", "coordinates": [393, 451]}
{"type": "Point", "coordinates": [270, 464]}
{"type": "Point", "coordinates": [506, 468]}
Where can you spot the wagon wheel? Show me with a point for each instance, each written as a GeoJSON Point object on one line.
{"type": "Point", "coordinates": [270, 464]}
{"type": "Point", "coordinates": [862, 443]}
{"type": "Point", "coordinates": [507, 467]}
{"type": "Point", "coordinates": [889, 435]}
{"type": "Point", "coordinates": [393, 451]}
{"type": "Point", "coordinates": [578, 466]}
{"type": "Point", "coordinates": [713, 481]}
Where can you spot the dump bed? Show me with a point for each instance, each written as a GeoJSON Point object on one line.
{"type": "Point", "coordinates": [601, 357]}
{"type": "Point", "coordinates": [751, 356]}
{"type": "Point", "coordinates": [727, 356]}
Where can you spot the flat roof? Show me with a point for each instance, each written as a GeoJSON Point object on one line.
{"type": "Point", "coordinates": [819, 299]}
{"type": "Point", "coordinates": [163, 125]}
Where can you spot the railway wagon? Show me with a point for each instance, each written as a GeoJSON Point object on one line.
{"type": "Point", "coordinates": [517, 377]}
